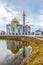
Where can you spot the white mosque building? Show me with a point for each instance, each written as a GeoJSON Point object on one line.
{"type": "Point", "coordinates": [15, 28]}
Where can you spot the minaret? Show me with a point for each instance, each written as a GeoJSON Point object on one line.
{"type": "Point", "coordinates": [23, 18]}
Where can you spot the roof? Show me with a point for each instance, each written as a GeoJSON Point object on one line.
{"type": "Point", "coordinates": [38, 30]}
{"type": "Point", "coordinates": [14, 20]}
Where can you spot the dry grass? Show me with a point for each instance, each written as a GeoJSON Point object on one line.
{"type": "Point", "coordinates": [36, 57]}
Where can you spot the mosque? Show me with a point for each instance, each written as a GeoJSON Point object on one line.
{"type": "Point", "coordinates": [15, 28]}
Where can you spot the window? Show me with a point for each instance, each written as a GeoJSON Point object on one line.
{"type": "Point", "coordinates": [18, 29]}
{"type": "Point", "coordinates": [13, 29]}
{"type": "Point", "coordinates": [25, 33]}
{"type": "Point", "coordinates": [23, 29]}
{"type": "Point", "coordinates": [29, 32]}
{"type": "Point", "coordinates": [19, 33]}
{"type": "Point", "coordinates": [9, 33]}
{"type": "Point", "coordinates": [13, 33]}
{"type": "Point", "coordinates": [16, 33]}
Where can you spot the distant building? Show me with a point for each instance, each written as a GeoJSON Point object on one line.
{"type": "Point", "coordinates": [38, 32]}
{"type": "Point", "coordinates": [15, 28]}
{"type": "Point", "coordinates": [2, 32]}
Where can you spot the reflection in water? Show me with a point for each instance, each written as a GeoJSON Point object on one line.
{"type": "Point", "coordinates": [17, 47]}
{"type": "Point", "coordinates": [14, 45]}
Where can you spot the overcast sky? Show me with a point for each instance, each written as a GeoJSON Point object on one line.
{"type": "Point", "coordinates": [14, 8]}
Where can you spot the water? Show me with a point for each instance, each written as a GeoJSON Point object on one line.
{"type": "Point", "coordinates": [11, 52]}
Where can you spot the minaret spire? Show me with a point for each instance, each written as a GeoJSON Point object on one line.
{"type": "Point", "coordinates": [23, 18]}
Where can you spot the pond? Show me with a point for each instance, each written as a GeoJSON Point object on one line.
{"type": "Point", "coordinates": [12, 52]}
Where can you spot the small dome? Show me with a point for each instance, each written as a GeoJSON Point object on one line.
{"type": "Point", "coordinates": [26, 25]}
{"type": "Point", "coordinates": [14, 20]}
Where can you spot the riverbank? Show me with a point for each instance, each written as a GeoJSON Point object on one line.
{"type": "Point", "coordinates": [36, 57]}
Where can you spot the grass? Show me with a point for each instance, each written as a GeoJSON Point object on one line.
{"type": "Point", "coordinates": [36, 57]}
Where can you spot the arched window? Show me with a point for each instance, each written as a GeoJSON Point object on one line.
{"type": "Point", "coordinates": [18, 29]}
{"type": "Point", "coordinates": [13, 29]}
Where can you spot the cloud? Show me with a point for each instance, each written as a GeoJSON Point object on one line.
{"type": "Point", "coordinates": [6, 14]}
{"type": "Point", "coordinates": [3, 15]}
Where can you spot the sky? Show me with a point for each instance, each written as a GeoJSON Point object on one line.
{"type": "Point", "coordinates": [14, 8]}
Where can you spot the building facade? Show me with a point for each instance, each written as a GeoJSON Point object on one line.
{"type": "Point", "coordinates": [15, 28]}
